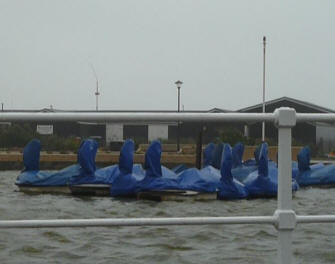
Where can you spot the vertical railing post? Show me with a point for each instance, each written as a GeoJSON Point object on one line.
{"type": "Point", "coordinates": [285, 119]}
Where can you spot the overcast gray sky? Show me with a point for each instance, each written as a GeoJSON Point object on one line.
{"type": "Point", "coordinates": [140, 48]}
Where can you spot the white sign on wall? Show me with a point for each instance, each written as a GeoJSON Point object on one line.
{"type": "Point", "coordinates": [114, 132]}
{"type": "Point", "coordinates": [45, 129]}
{"type": "Point", "coordinates": [158, 131]}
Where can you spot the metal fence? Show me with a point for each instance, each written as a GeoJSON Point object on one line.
{"type": "Point", "coordinates": [284, 218]}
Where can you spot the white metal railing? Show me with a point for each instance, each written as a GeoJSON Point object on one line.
{"type": "Point", "coordinates": [284, 218]}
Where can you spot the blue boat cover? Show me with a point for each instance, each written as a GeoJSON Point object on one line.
{"type": "Point", "coordinates": [32, 176]}
{"type": "Point", "coordinates": [211, 175]}
{"type": "Point", "coordinates": [304, 159]}
{"type": "Point", "coordinates": [86, 159]}
{"type": "Point", "coordinates": [217, 155]}
{"type": "Point", "coordinates": [178, 169]}
{"type": "Point", "coordinates": [264, 182]}
{"type": "Point", "coordinates": [83, 173]}
{"type": "Point", "coordinates": [169, 173]}
{"type": "Point", "coordinates": [240, 170]}
{"type": "Point", "coordinates": [31, 155]}
{"type": "Point", "coordinates": [208, 154]}
{"type": "Point", "coordinates": [257, 153]}
{"type": "Point", "coordinates": [229, 188]}
{"type": "Point", "coordinates": [259, 184]}
{"type": "Point", "coordinates": [127, 176]}
{"type": "Point", "coordinates": [193, 180]}
{"type": "Point", "coordinates": [154, 180]}
{"type": "Point", "coordinates": [316, 174]}
{"type": "Point", "coordinates": [49, 178]}
{"type": "Point", "coordinates": [86, 155]}
{"type": "Point", "coordinates": [237, 151]}
{"type": "Point", "coordinates": [241, 173]}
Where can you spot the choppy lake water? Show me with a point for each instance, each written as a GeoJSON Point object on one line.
{"type": "Point", "coordinates": [313, 243]}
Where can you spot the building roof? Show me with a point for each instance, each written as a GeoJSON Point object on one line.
{"type": "Point", "coordinates": [318, 108]}
{"type": "Point", "coordinates": [218, 110]}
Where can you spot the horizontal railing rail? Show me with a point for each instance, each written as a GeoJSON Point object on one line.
{"type": "Point", "coordinates": [284, 218]}
{"type": "Point", "coordinates": [112, 222]}
{"type": "Point", "coordinates": [138, 221]}
{"type": "Point", "coordinates": [134, 117]}
{"type": "Point", "coordinates": [157, 117]}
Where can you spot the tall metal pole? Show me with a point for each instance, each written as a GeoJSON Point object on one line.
{"type": "Point", "coordinates": [97, 95]}
{"type": "Point", "coordinates": [97, 88]}
{"type": "Point", "coordinates": [178, 132]}
{"type": "Point", "coordinates": [178, 83]}
{"type": "Point", "coordinates": [263, 123]}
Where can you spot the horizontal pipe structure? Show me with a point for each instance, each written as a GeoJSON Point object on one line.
{"type": "Point", "coordinates": [156, 117]}
{"type": "Point", "coordinates": [309, 219]}
{"type": "Point", "coordinates": [135, 117]}
{"type": "Point", "coordinates": [301, 117]}
{"type": "Point", "coordinates": [110, 222]}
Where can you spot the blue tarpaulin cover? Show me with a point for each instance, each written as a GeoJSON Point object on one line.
{"type": "Point", "coordinates": [154, 180]}
{"type": "Point", "coordinates": [237, 153]}
{"type": "Point", "coordinates": [217, 155]}
{"type": "Point", "coordinates": [208, 154]}
{"type": "Point", "coordinates": [264, 181]}
{"type": "Point", "coordinates": [124, 183]}
{"type": "Point", "coordinates": [32, 176]}
{"type": "Point", "coordinates": [240, 170]}
{"type": "Point", "coordinates": [31, 155]}
{"type": "Point", "coordinates": [229, 188]}
{"type": "Point", "coordinates": [179, 168]}
{"type": "Point", "coordinates": [211, 175]}
{"type": "Point", "coordinates": [86, 159]}
{"type": "Point", "coordinates": [316, 174]}
{"type": "Point", "coordinates": [83, 173]}
{"type": "Point", "coordinates": [48, 178]}
{"type": "Point", "coordinates": [192, 179]}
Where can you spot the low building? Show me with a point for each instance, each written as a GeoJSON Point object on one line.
{"type": "Point", "coordinates": [318, 133]}
{"type": "Point", "coordinates": [321, 134]}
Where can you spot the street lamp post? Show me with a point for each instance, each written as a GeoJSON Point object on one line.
{"type": "Point", "coordinates": [178, 83]}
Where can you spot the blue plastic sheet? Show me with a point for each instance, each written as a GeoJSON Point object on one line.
{"type": "Point", "coordinates": [217, 155]}
{"type": "Point", "coordinates": [125, 180]}
{"type": "Point", "coordinates": [32, 176]}
{"type": "Point", "coordinates": [211, 175]}
{"type": "Point", "coordinates": [86, 155]}
{"type": "Point", "coordinates": [86, 159]}
{"type": "Point", "coordinates": [83, 173]}
{"type": "Point", "coordinates": [154, 180]}
{"type": "Point", "coordinates": [304, 159]}
{"type": "Point", "coordinates": [49, 178]}
{"type": "Point", "coordinates": [208, 154]}
{"type": "Point", "coordinates": [229, 188]}
{"type": "Point", "coordinates": [264, 181]}
{"type": "Point", "coordinates": [31, 155]}
{"type": "Point", "coordinates": [316, 174]}
{"type": "Point", "coordinates": [242, 172]}
{"type": "Point", "coordinates": [237, 153]}
{"type": "Point", "coordinates": [179, 168]}
{"type": "Point", "coordinates": [192, 179]}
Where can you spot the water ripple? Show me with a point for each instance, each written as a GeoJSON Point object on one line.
{"type": "Point", "coordinates": [313, 243]}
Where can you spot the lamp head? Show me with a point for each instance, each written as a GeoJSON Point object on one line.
{"type": "Point", "coordinates": [178, 83]}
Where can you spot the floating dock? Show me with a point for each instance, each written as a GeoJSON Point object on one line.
{"type": "Point", "coordinates": [91, 189]}
{"type": "Point", "coordinates": [45, 189]}
{"type": "Point", "coordinates": [176, 195]}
